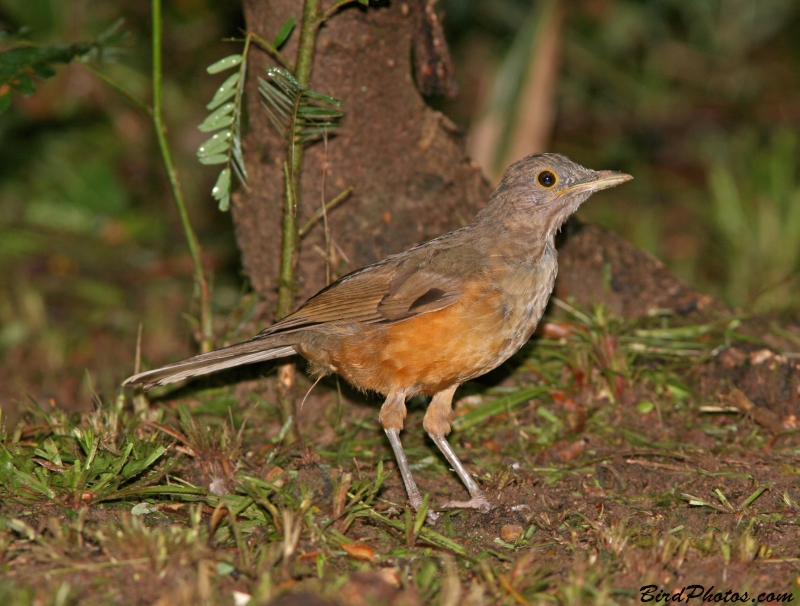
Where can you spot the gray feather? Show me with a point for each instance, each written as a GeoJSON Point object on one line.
{"type": "Point", "coordinates": [235, 355]}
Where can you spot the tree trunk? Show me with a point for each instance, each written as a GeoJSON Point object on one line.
{"type": "Point", "coordinates": [407, 163]}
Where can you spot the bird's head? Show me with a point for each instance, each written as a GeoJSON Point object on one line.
{"type": "Point", "coordinates": [543, 190]}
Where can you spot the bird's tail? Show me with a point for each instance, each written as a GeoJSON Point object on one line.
{"type": "Point", "coordinates": [254, 350]}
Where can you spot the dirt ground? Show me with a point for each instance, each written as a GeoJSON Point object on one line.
{"type": "Point", "coordinates": [618, 470]}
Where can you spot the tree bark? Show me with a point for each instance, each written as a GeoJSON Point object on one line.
{"type": "Point", "coordinates": [407, 163]}
{"type": "Point", "coordinates": [412, 178]}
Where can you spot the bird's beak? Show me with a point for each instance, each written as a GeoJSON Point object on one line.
{"type": "Point", "coordinates": [601, 179]}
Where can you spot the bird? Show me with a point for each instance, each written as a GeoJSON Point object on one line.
{"type": "Point", "coordinates": [424, 321]}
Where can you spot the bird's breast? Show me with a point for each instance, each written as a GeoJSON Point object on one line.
{"type": "Point", "coordinates": [526, 290]}
{"type": "Point", "coordinates": [433, 351]}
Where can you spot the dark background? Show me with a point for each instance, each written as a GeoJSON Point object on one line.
{"type": "Point", "coordinates": [698, 100]}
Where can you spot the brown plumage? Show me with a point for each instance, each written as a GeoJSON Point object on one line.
{"type": "Point", "coordinates": [425, 320]}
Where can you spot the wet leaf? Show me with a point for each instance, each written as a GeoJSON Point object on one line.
{"type": "Point", "coordinates": [222, 189]}
{"type": "Point", "coordinates": [219, 118]}
{"type": "Point", "coordinates": [219, 143]}
{"type": "Point", "coordinates": [223, 64]}
{"type": "Point", "coordinates": [226, 90]}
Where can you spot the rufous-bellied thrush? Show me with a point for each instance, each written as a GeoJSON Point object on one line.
{"type": "Point", "coordinates": [425, 320]}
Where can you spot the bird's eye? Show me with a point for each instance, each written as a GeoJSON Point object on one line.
{"type": "Point", "coordinates": [547, 178]}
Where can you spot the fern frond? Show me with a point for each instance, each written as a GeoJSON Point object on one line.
{"type": "Point", "coordinates": [297, 113]}
{"type": "Point", "coordinates": [19, 65]}
{"type": "Point", "coordinates": [225, 146]}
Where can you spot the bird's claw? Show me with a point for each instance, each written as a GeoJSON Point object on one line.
{"type": "Point", "coordinates": [478, 502]}
{"type": "Point", "coordinates": [431, 516]}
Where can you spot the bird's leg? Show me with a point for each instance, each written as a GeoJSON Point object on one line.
{"type": "Point", "coordinates": [437, 424]}
{"type": "Point", "coordinates": [393, 412]}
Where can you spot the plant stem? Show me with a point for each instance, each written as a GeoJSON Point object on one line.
{"type": "Point", "coordinates": [292, 175]}
{"type": "Point", "coordinates": [342, 3]}
{"type": "Point", "coordinates": [274, 52]}
{"type": "Point", "coordinates": [289, 246]}
{"type": "Point", "coordinates": [305, 61]}
{"type": "Point", "coordinates": [201, 283]}
{"type": "Point", "coordinates": [119, 88]}
{"type": "Point", "coordinates": [319, 213]}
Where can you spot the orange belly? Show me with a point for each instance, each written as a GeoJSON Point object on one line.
{"type": "Point", "coordinates": [427, 353]}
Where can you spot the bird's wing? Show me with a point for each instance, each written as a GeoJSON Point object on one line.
{"type": "Point", "coordinates": [385, 292]}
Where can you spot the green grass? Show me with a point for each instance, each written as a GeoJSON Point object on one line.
{"type": "Point", "coordinates": [597, 494]}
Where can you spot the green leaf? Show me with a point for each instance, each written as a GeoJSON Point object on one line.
{"type": "Point", "coordinates": [275, 97]}
{"type": "Point", "coordinates": [153, 490]}
{"type": "Point", "coordinates": [223, 64]}
{"type": "Point", "coordinates": [221, 142]}
{"type": "Point", "coordinates": [645, 407]}
{"type": "Point", "coordinates": [26, 58]}
{"type": "Point", "coordinates": [5, 102]}
{"type": "Point", "coordinates": [497, 406]}
{"type": "Point", "coordinates": [123, 459]}
{"type": "Point", "coordinates": [143, 509]}
{"type": "Point", "coordinates": [225, 91]}
{"type": "Point", "coordinates": [294, 111]}
{"type": "Point", "coordinates": [280, 75]}
{"type": "Point", "coordinates": [426, 534]}
{"type": "Point", "coordinates": [43, 70]}
{"type": "Point", "coordinates": [313, 111]}
{"type": "Point", "coordinates": [221, 117]}
{"type": "Point", "coordinates": [323, 97]}
{"type": "Point", "coordinates": [238, 161]}
{"type": "Point", "coordinates": [222, 189]}
{"type": "Point", "coordinates": [32, 483]}
{"type": "Point", "coordinates": [138, 465]}
{"type": "Point", "coordinates": [216, 159]}
{"type": "Point", "coordinates": [284, 32]}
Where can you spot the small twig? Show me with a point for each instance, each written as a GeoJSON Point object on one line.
{"type": "Point", "coordinates": [155, 112]}
{"type": "Point", "coordinates": [288, 247]}
{"type": "Point", "coordinates": [764, 417]}
{"type": "Point", "coordinates": [330, 12]}
{"type": "Point", "coordinates": [140, 402]}
{"type": "Point", "coordinates": [177, 189]}
{"type": "Point", "coordinates": [276, 54]}
{"type": "Point", "coordinates": [698, 502]}
{"type": "Point", "coordinates": [325, 212]}
{"type": "Point", "coordinates": [237, 113]}
{"type": "Point", "coordinates": [319, 378]}
{"type": "Point", "coordinates": [137, 365]}
{"type": "Point", "coordinates": [318, 214]}
{"type": "Point", "coordinates": [98, 566]}
{"type": "Point", "coordinates": [118, 87]}
{"type": "Point", "coordinates": [292, 170]}
{"type": "Point", "coordinates": [569, 309]}
{"type": "Point", "coordinates": [656, 465]}
{"type": "Point", "coordinates": [169, 431]}
{"type": "Point", "coordinates": [512, 592]}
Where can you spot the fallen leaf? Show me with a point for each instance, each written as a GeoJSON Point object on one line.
{"type": "Point", "coordinates": [359, 551]}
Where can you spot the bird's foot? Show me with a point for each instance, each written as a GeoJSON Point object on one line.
{"type": "Point", "coordinates": [416, 503]}
{"type": "Point", "coordinates": [476, 502]}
